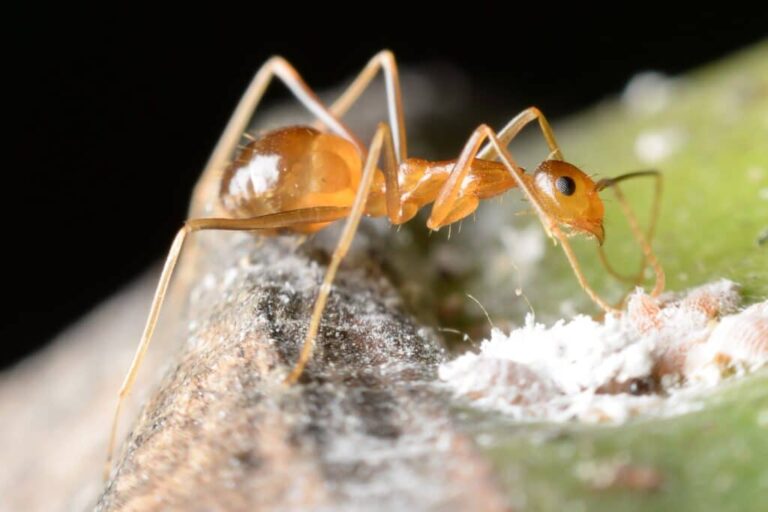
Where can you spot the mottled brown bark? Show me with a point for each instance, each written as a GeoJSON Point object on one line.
{"type": "Point", "coordinates": [365, 428]}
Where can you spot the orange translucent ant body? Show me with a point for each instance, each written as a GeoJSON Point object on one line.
{"type": "Point", "coordinates": [300, 179]}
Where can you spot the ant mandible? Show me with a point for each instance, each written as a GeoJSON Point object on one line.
{"type": "Point", "coordinates": [300, 179]}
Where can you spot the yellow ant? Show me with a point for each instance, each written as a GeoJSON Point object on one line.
{"type": "Point", "coordinates": [300, 179]}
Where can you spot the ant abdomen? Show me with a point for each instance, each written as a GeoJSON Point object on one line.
{"type": "Point", "coordinates": [289, 169]}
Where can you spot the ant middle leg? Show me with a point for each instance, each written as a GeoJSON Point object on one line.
{"type": "Point", "coordinates": [345, 241]}
{"type": "Point", "coordinates": [383, 61]}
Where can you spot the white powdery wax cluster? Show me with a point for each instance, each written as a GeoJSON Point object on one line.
{"type": "Point", "coordinates": [587, 370]}
{"type": "Point", "coordinates": [739, 344]}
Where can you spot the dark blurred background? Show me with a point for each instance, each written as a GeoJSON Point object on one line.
{"type": "Point", "coordinates": [113, 113]}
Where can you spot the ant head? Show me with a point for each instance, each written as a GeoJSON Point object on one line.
{"type": "Point", "coordinates": [570, 196]}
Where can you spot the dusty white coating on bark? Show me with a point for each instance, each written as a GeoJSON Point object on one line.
{"type": "Point", "coordinates": [363, 430]}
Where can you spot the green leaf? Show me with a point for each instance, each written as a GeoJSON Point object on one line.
{"type": "Point", "coordinates": [709, 137]}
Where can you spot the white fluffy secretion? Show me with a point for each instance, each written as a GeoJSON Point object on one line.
{"type": "Point", "coordinates": [587, 370]}
{"type": "Point", "coordinates": [258, 176]}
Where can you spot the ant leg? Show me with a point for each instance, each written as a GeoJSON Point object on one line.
{"type": "Point", "coordinates": [574, 262]}
{"type": "Point", "coordinates": [149, 327]}
{"type": "Point", "coordinates": [348, 233]}
{"type": "Point", "coordinates": [643, 239]}
{"type": "Point", "coordinates": [390, 169]}
{"type": "Point", "coordinates": [514, 127]}
{"type": "Point", "coordinates": [383, 61]}
{"type": "Point", "coordinates": [282, 69]}
{"type": "Point", "coordinates": [278, 220]}
{"type": "Point", "coordinates": [634, 279]}
{"type": "Point", "coordinates": [449, 194]}
{"type": "Point", "coordinates": [237, 124]}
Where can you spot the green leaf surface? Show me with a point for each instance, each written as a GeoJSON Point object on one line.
{"type": "Point", "coordinates": [715, 201]}
{"type": "Point", "coordinates": [714, 459]}
{"type": "Point", "coordinates": [709, 137]}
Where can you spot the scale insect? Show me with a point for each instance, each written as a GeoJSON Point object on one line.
{"type": "Point", "coordinates": [300, 179]}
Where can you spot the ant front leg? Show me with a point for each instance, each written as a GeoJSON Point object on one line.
{"type": "Point", "coordinates": [643, 239]}
{"type": "Point", "coordinates": [238, 123]}
{"type": "Point", "coordinates": [515, 126]}
{"type": "Point", "coordinates": [273, 221]}
{"type": "Point", "coordinates": [448, 195]}
{"type": "Point", "coordinates": [383, 61]}
{"type": "Point", "coordinates": [449, 192]}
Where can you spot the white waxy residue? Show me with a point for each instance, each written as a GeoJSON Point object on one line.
{"type": "Point", "coordinates": [650, 358]}
{"type": "Point", "coordinates": [738, 344]}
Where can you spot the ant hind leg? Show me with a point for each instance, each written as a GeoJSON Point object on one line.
{"type": "Point", "coordinates": [383, 61]}
{"type": "Point", "coordinates": [278, 220]}
{"type": "Point", "coordinates": [238, 123]}
{"type": "Point", "coordinates": [345, 241]}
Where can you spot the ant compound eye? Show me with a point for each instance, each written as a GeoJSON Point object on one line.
{"type": "Point", "coordinates": [565, 185]}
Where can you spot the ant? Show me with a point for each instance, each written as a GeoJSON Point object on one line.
{"type": "Point", "coordinates": [300, 179]}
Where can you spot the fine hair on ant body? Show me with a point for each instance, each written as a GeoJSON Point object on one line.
{"type": "Point", "coordinates": [300, 179]}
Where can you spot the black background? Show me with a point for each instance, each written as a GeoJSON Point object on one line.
{"type": "Point", "coordinates": [114, 113]}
